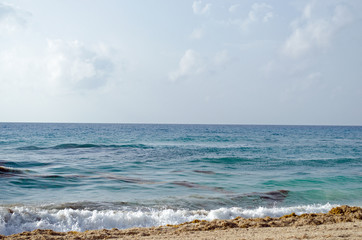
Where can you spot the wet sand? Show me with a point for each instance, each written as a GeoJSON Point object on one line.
{"type": "Point", "coordinates": [340, 223]}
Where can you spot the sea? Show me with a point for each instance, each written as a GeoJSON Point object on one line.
{"type": "Point", "coordinates": [77, 177]}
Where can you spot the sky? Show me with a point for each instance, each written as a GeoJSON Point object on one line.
{"type": "Point", "coordinates": [183, 61]}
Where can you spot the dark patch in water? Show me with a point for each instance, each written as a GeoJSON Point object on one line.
{"type": "Point", "coordinates": [128, 179]}
{"type": "Point", "coordinates": [60, 177]}
{"type": "Point", "coordinates": [87, 145]}
{"type": "Point", "coordinates": [73, 145]}
{"type": "Point", "coordinates": [278, 195]}
{"type": "Point", "coordinates": [9, 171]}
{"type": "Point", "coordinates": [30, 148]}
{"type": "Point", "coordinates": [196, 185]}
{"type": "Point", "coordinates": [264, 197]}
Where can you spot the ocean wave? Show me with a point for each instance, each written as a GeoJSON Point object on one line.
{"type": "Point", "coordinates": [228, 160]}
{"type": "Point", "coordinates": [24, 164]}
{"type": "Point", "coordinates": [22, 218]}
{"type": "Point", "coordinates": [9, 171]}
{"type": "Point", "coordinates": [29, 148]}
{"type": "Point", "coordinates": [334, 161]}
{"type": "Point", "coordinates": [87, 145]}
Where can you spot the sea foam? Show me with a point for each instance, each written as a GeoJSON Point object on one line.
{"type": "Point", "coordinates": [21, 218]}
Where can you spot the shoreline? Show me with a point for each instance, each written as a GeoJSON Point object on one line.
{"type": "Point", "coordinates": [343, 222]}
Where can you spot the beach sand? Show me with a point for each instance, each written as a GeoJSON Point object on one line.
{"type": "Point", "coordinates": [340, 223]}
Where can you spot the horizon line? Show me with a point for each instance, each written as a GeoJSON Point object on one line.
{"type": "Point", "coordinates": [165, 123]}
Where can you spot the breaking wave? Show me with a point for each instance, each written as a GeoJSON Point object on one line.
{"type": "Point", "coordinates": [24, 218]}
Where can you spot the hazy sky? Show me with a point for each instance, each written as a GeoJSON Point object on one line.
{"type": "Point", "coordinates": [162, 61]}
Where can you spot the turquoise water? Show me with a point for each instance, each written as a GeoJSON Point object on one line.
{"type": "Point", "coordinates": [90, 176]}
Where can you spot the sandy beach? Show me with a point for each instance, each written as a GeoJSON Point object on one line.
{"type": "Point", "coordinates": [339, 223]}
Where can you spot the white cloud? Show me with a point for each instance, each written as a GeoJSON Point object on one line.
{"type": "Point", "coordinates": [12, 18]}
{"type": "Point", "coordinates": [61, 67]}
{"type": "Point", "coordinates": [191, 63]}
{"type": "Point", "coordinates": [197, 33]}
{"type": "Point", "coordinates": [74, 66]}
{"type": "Point", "coordinates": [260, 12]}
{"type": "Point", "coordinates": [234, 7]}
{"type": "Point", "coordinates": [199, 8]}
{"type": "Point", "coordinates": [310, 32]}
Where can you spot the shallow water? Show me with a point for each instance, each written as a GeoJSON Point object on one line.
{"type": "Point", "coordinates": [89, 176]}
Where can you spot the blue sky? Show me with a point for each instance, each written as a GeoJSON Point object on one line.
{"type": "Point", "coordinates": [161, 61]}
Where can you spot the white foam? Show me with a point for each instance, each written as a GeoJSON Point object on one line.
{"type": "Point", "coordinates": [21, 218]}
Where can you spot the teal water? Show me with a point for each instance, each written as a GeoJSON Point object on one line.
{"type": "Point", "coordinates": [90, 176]}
